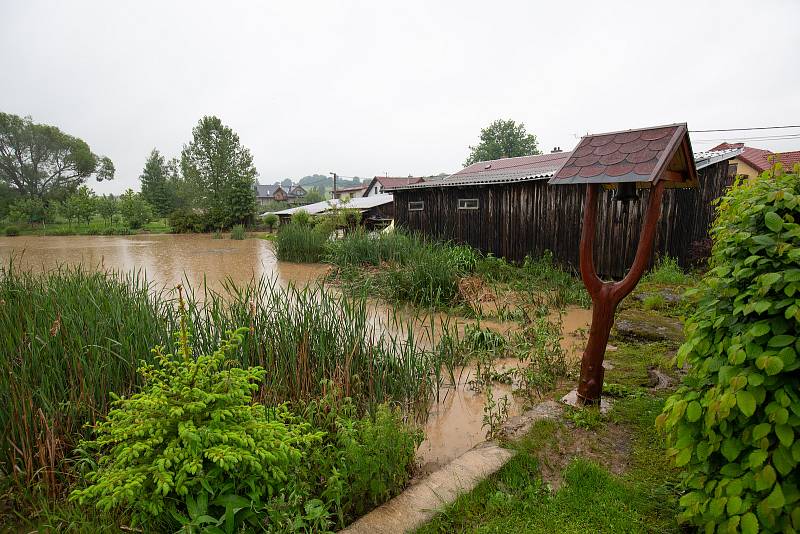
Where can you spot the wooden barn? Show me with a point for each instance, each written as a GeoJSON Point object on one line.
{"type": "Point", "coordinates": [505, 207]}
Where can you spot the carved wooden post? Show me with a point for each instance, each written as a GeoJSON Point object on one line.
{"type": "Point", "coordinates": [607, 295]}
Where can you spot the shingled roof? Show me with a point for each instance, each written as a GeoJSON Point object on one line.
{"type": "Point", "coordinates": [641, 155]}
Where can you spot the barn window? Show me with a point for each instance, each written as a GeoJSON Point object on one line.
{"type": "Point", "coordinates": [416, 206]}
{"type": "Point", "coordinates": [467, 203]}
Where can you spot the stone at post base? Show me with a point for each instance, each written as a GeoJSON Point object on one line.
{"type": "Point", "coordinates": [571, 399]}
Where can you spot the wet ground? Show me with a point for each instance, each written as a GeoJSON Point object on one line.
{"type": "Point", "coordinates": [455, 422]}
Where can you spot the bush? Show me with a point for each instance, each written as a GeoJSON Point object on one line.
{"type": "Point", "coordinates": [237, 232]}
{"type": "Point", "coordinates": [301, 243]}
{"type": "Point", "coordinates": [734, 423]}
{"type": "Point", "coordinates": [271, 221]}
{"type": "Point", "coordinates": [301, 218]}
{"type": "Point", "coordinates": [184, 220]}
{"type": "Point", "coordinates": [12, 231]}
{"type": "Point", "coordinates": [192, 444]}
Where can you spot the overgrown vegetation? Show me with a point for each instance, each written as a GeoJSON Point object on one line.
{"type": "Point", "coordinates": [302, 243]}
{"type": "Point", "coordinates": [70, 338]}
{"type": "Point", "coordinates": [733, 424]}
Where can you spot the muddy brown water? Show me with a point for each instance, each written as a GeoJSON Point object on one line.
{"type": "Point", "coordinates": [455, 421]}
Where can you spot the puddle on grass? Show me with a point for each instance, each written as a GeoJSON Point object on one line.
{"type": "Point", "coordinates": [455, 422]}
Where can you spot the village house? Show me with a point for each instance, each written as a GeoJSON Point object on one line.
{"type": "Point", "coordinates": [376, 211]}
{"type": "Point", "coordinates": [350, 192]}
{"type": "Point", "coordinates": [505, 207]}
{"type": "Point", "coordinates": [753, 161]}
{"type": "Point", "coordinates": [380, 184]}
{"type": "Point", "coordinates": [276, 193]}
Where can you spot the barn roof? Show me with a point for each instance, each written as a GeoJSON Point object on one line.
{"type": "Point", "coordinates": [359, 203]}
{"type": "Point", "coordinates": [641, 155]}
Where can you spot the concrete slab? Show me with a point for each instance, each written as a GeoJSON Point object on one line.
{"type": "Point", "coordinates": [420, 503]}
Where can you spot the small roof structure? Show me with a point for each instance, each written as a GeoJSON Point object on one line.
{"type": "Point", "coordinates": [644, 155]}
{"type": "Point", "coordinates": [359, 203]}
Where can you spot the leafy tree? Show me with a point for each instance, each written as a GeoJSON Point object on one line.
{"type": "Point", "coordinates": [107, 207]}
{"type": "Point", "coordinates": [37, 160]}
{"type": "Point", "coordinates": [271, 220]}
{"type": "Point", "coordinates": [286, 184]}
{"type": "Point", "coordinates": [314, 195]}
{"type": "Point", "coordinates": [29, 210]}
{"type": "Point", "coordinates": [83, 203]}
{"type": "Point", "coordinates": [134, 209]}
{"type": "Point", "coordinates": [503, 139]}
{"type": "Point", "coordinates": [222, 172]}
{"type": "Point", "coordinates": [734, 424]}
{"type": "Point", "coordinates": [157, 186]}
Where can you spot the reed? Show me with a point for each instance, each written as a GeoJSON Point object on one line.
{"type": "Point", "coordinates": [238, 233]}
{"type": "Point", "coordinates": [300, 243]}
{"type": "Point", "coordinates": [69, 337]}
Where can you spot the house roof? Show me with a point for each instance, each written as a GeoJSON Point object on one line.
{"type": "Point", "coordinates": [359, 203]}
{"type": "Point", "coordinates": [351, 189]}
{"type": "Point", "coordinates": [389, 182]}
{"type": "Point", "coordinates": [539, 167]}
{"type": "Point", "coordinates": [640, 155]}
{"type": "Point", "coordinates": [267, 190]}
{"type": "Point", "coordinates": [759, 158]}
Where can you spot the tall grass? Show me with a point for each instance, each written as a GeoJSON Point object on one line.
{"type": "Point", "coordinates": [666, 271]}
{"type": "Point", "coordinates": [301, 243]}
{"type": "Point", "coordinates": [238, 233]}
{"type": "Point", "coordinates": [70, 337]}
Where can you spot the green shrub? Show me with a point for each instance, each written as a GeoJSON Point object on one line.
{"type": "Point", "coordinates": [271, 221]}
{"type": "Point", "coordinates": [666, 271]}
{"type": "Point", "coordinates": [734, 424]}
{"type": "Point", "coordinates": [185, 220]}
{"type": "Point", "coordinates": [238, 233]}
{"type": "Point", "coordinates": [301, 218]}
{"type": "Point", "coordinates": [192, 443]}
{"type": "Point", "coordinates": [12, 231]}
{"type": "Point", "coordinates": [300, 243]}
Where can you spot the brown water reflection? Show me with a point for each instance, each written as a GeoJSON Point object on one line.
{"type": "Point", "coordinates": [166, 258]}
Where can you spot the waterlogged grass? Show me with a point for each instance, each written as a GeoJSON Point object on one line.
{"type": "Point", "coordinates": [301, 243]}
{"type": "Point", "coordinates": [70, 337]}
{"type": "Point", "coordinates": [590, 499]}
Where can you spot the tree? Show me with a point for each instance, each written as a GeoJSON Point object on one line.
{"type": "Point", "coordinates": [503, 139]}
{"type": "Point", "coordinates": [134, 209]}
{"type": "Point", "coordinates": [157, 189]}
{"type": "Point", "coordinates": [29, 210]}
{"type": "Point", "coordinates": [286, 184]}
{"type": "Point", "coordinates": [222, 172]}
{"type": "Point", "coordinates": [107, 207]}
{"type": "Point", "coordinates": [37, 160]}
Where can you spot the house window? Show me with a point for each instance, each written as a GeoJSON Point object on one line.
{"type": "Point", "coordinates": [416, 206]}
{"type": "Point", "coordinates": [467, 203]}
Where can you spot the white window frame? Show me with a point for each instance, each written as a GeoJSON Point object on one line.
{"type": "Point", "coordinates": [416, 205]}
{"type": "Point", "coordinates": [468, 204]}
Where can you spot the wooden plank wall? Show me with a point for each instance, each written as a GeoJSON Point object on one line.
{"type": "Point", "coordinates": [528, 218]}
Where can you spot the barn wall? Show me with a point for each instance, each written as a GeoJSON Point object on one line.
{"type": "Point", "coordinates": [528, 218]}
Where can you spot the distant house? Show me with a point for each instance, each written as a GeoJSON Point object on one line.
{"type": "Point", "coordinates": [376, 211]}
{"type": "Point", "coordinates": [276, 193]}
{"type": "Point", "coordinates": [350, 192]}
{"type": "Point", "coordinates": [380, 184]}
{"type": "Point", "coordinates": [753, 161]}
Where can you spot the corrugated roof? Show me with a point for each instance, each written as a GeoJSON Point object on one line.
{"type": "Point", "coordinates": [360, 203]}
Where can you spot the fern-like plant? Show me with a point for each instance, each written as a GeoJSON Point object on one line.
{"type": "Point", "coordinates": [192, 447]}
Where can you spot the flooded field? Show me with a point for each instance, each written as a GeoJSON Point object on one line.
{"type": "Point", "coordinates": [455, 422]}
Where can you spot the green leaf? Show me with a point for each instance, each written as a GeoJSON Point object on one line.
{"type": "Point", "coordinates": [746, 402]}
{"type": "Point", "coordinates": [774, 365]}
{"type": "Point", "coordinates": [749, 523]}
{"type": "Point", "coordinates": [759, 329]}
{"type": "Point", "coordinates": [775, 499]}
{"type": "Point", "coordinates": [773, 221]}
{"type": "Point", "coordinates": [783, 461]}
{"type": "Point", "coordinates": [765, 478]}
{"type": "Point", "coordinates": [781, 341]}
{"type": "Point", "coordinates": [693, 411]}
{"type": "Point", "coordinates": [785, 434]}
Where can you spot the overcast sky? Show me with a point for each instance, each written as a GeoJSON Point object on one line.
{"type": "Point", "coordinates": [403, 87]}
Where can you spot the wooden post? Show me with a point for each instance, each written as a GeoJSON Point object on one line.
{"type": "Point", "coordinates": [607, 295]}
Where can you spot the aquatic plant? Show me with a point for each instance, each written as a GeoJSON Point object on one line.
{"type": "Point", "coordinates": [301, 243]}
{"type": "Point", "coordinates": [237, 232]}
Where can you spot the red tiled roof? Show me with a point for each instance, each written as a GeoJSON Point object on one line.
{"type": "Point", "coordinates": [396, 181]}
{"type": "Point", "coordinates": [759, 158]}
{"type": "Point", "coordinates": [351, 189]}
{"type": "Point", "coordinates": [629, 156]}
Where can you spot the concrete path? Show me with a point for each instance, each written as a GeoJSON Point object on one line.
{"type": "Point", "coordinates": [419, 504]}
